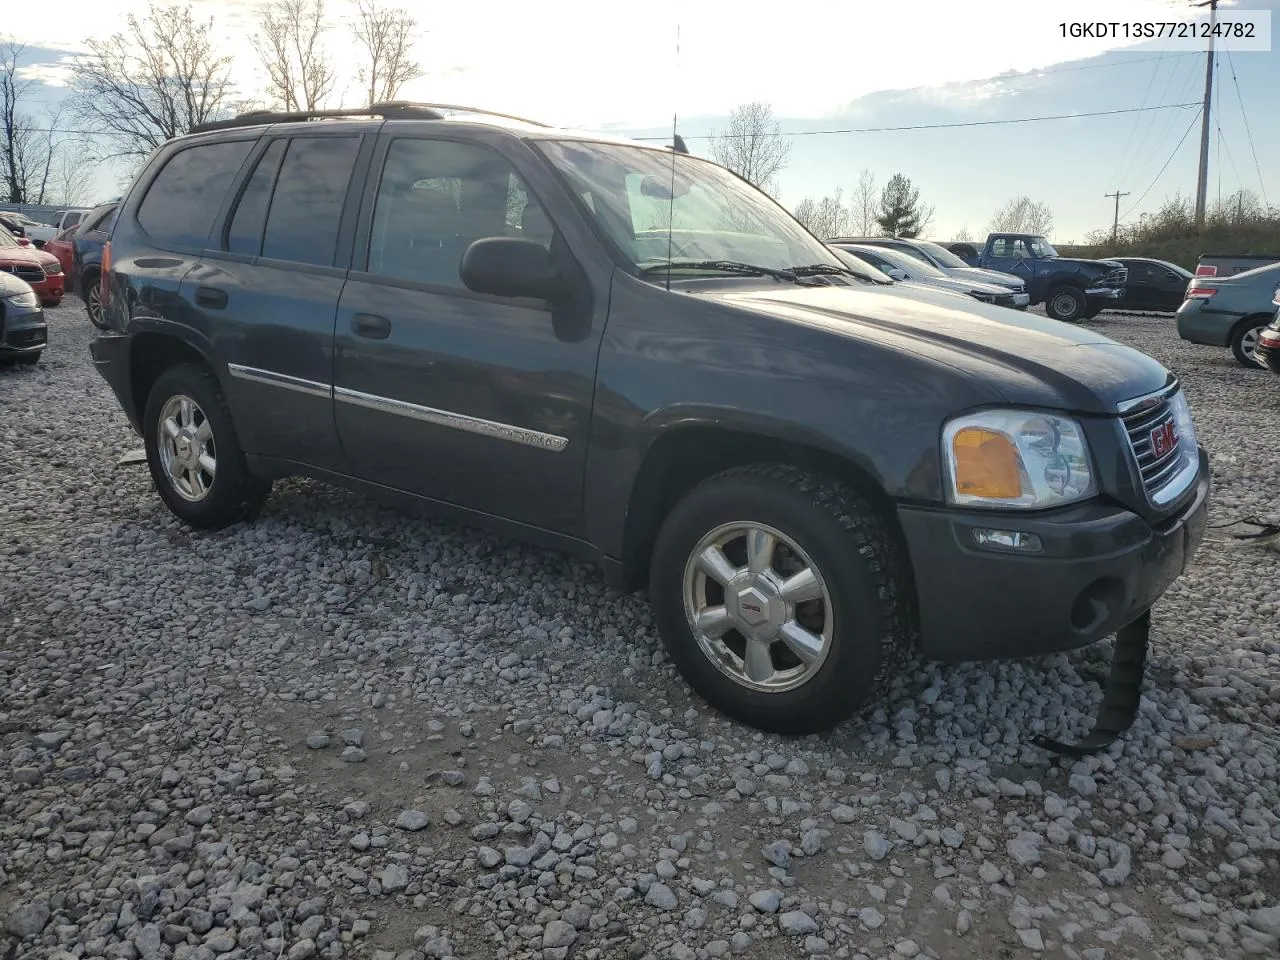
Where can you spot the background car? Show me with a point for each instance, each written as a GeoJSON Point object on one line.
{"type": "Point", "coordinates": [87, 242]}
{"type": "Point", "coordinates": [60, 247]}
{"type": "Point", "coordinates": [41, 270]}
{"type": "Point", "coordinates": [900, 266]}
{"type": "Point", "coordinates": [23, 333]}
{"type": "Point", "coordinates": [943, 259]}
{"type": "Point", "coordinates": [1230, 311]}
{"type": "Point", "coordinates": [1155, 285]}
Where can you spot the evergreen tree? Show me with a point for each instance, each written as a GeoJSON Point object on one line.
{"type": "Point", "coordinates": [901, 213]}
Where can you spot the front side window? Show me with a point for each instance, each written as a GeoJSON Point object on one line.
{"type": "Point", "coordinates": [654, 205]}
{"type": "Point", "coordinates": [436, 198]}
{"type": "Point", "coordinates": [1040, 247]}
{"type": "Point", "coordinates": [306, 207]}
{"type": "Point", "coordinates": [183, 199]}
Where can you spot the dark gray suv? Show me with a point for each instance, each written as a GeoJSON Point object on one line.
{"type": "Point", "coordinates": [629, 353]}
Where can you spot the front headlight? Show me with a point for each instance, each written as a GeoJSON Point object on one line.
{"type": "Point", "coordinates": [1016, 458]}
{"type": "Point", "coordinates": [1183, 423]}
{"type": "Point", "coordinates": [51, 269]}
{"type": "Point", "coordinates": [28, 299]}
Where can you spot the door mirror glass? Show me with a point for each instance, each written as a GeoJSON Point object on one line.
{"type": "Point", "coordinates": [511, 267]}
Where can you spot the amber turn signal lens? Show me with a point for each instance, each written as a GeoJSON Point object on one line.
{"type": "Point", "coordinates": [986, 464]}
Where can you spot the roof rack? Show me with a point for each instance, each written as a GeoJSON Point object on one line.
{"type": "Point", "coordinates": [388, 110]}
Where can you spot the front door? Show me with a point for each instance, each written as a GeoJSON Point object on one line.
{"type": "Point", "coordinates": [474, 400]}
{"type": "Point", "coordinates": [1010, 255]}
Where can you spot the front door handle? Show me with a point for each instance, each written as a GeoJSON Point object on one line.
{"type": "Point", "coordinates": [211, 297]}
{"type": "Point", "coordinates": [370, 325]}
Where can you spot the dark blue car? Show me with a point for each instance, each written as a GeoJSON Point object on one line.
{"type": "Point", "coordinates": [86, 258]}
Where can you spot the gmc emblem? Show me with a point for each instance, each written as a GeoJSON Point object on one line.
{"type": "Point", "coordinates": [1163, 439]}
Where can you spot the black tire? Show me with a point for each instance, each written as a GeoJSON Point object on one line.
{"type": "Point", "coordinates": [234, 494]}
{"type": "Point", "coordinates": [1067, 303]}
{"type": "Point", "coordinates": [91, 293]}
{"type": "Point", "coordinates": [1092, 312]}
{"type": "Point", "coordinates": [1240, 333]}
{"type": "Point", "coordinates": [856, 555]}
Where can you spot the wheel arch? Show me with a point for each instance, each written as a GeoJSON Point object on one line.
{"type": "Point", "coordinates": [151, 352]}
{"type": "Point", "coordinates": [682, 456]}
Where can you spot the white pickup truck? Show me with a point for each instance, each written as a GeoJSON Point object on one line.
{"type": "Point", "coordinates": [42, 234]}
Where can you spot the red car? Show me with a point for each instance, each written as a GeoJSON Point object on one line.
{"type": "Point", "coordinates": [61, 247]}
{"type": "Point", "coordinates": [41, 270]}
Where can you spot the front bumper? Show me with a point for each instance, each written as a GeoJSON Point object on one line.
{"type": "Point", "coordinates": [23, 333]}
{"type": "Point", "coordinates": [1267, 351]}
{"type": "Point", "coordinates": [1104, 293]}
{"type": "Point", "coordinates": [1021, 300]}
{"type": "Point", "coordinates": [1101, 567]}
{"type": "Point", "coordinates": [110, 353]}
{"type": "Point", "coordinates": [51, 289]}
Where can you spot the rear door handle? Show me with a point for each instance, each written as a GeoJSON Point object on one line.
{"type": "Point", "coordinates": [211, 297]}
{"type": "Point", "coordinates": [370, 325]}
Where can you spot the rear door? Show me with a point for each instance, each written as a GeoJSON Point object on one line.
{"type": "Point", "coordinates": [474, 400]}
{"type": "Point", "coordinates": [270, 286]}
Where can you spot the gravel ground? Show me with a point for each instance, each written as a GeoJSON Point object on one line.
{"type": "Point", "coordinates": [341, 732]}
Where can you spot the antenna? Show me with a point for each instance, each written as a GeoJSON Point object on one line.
{"type": "Point", "coordinates": [677, 147]}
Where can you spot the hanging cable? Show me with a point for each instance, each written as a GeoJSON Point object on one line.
{"type": "Point", "coordinates": [1249, 133]}
{"type": "Point", "coordinates": [1183, 139]}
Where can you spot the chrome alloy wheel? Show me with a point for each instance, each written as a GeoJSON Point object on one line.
{"type": "Point", "coordinates": [758, 606]}
{"type": "Point", "coordinates": [187, 452]}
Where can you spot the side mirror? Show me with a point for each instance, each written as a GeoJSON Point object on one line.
{"type": "Point", "coordinates": [511, 267]}
{"type": "Point", "coordinates": [23, 241]}
{"type": "Point", "coordinates": [897, 273]}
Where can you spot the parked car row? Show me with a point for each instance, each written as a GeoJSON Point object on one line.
{"type": "Point", "coordinates": [41, 270]}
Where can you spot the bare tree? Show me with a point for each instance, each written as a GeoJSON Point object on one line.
{"type": "Point", "coordinates": [156, 80]}
{"type": "Point", "coordinates": [386, 39]}
{"type": "Point", "coordinates": [72, 176]}
{"type": "Point", "coordinates": [1022, 215]}
{"type": "Point", "coordinates": [963, 235]}
{"type": "Point", "coordinates": [752, 146]}
{"type": "Point", "coordinates": [300, 71]}
{"type": "Point", "coordinates": [865, 205]}
{"type": "Point", "coordinates": [26, 147]}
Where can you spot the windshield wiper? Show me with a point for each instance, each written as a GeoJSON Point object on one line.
{"type": "Point", "coordinates": [814, 269]}
{"type": "Point", "coordinates": [724, 266]}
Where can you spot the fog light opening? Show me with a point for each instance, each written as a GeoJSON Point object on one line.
{"type": "Point", "coordinates": [1096, 604]}
{"type": "Point", "coordinates": [1014, 540]}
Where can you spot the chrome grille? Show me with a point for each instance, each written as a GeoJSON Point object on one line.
{"type": "Point", "coordinates": [1159, 473]}
{"type": "Point", "coordinates": [29, 273]}
{"type": "Point", "coordinates": [1116, 278]}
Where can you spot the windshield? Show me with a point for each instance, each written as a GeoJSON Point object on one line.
{"type": "Point", "coordinates": [912, 265]}
{"type": "Point", "coordinates": [941, 254]}
{"type": "Point", "coordinates": [711, 214]}
{"type": "Point", "coordinates": [1040, 247]}
{"type": "Point", "coordinates": [859, 267]}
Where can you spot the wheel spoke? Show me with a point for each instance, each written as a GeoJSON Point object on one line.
{"type": "Point", "coordinates": [712, 621]}
{"type": "Point", "coordinates": [176, 468]}
{"type": "Point", "coordinates": [716, 565]}
{"type": "Point", "coordinates": [187, 412]}
{"type": "Point", "coordinates": [801, 586]}
{"type": "Point", "coordinates": [171, 427]}
{"type": "Point", "coordinates": [204, 432]}
{"type": "Point", "coordinates": [804, 644]}
{"type": "Point", "coordinates": [208, 464]}
{"type": "Point", "coordinates": [760, 546]}
{"type": "Point", "coordinates": [758, 663]}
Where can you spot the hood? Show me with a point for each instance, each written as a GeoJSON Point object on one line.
{"type": "Point", "coordinates": [1006, 280]}
{"type": "Point", "coordinates": [1105, 266]}
{"type": "Point", "coordinates": [26, 255]}
{"type": "Point", "coordinates": [964, 284]}
{"type": "Point", "coordinates": [1023, 357]}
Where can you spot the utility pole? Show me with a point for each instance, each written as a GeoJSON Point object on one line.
{"type": "Point", "coordinates": [1115, 224]}
{"type": "Point", "coordinates": [1202, 180]}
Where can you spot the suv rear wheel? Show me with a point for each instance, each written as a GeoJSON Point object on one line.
{"type": "Point", "coordinates": [195, 459]}
{"type": "Point", "coordinates": [780, 597]}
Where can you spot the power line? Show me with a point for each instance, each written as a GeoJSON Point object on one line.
{"type": "Point", "coordinates": [943, 126]}
{"type": "Point", "coordinates": [1168, 125]}
{"type": "Point", "coordinates": [1128, 141]}
{"type": "Point", "coordinates": [1182, 140]}
{"type": "Point", "coordinates": [1249, 133]}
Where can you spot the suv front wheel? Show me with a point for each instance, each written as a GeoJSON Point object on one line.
{"type": "Point", "coordinates": [780, 596]}
{"type": "Point", "coordinates": [195, 458]}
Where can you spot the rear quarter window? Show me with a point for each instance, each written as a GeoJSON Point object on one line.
{"type": "Point", "coordinates": [180, 204]}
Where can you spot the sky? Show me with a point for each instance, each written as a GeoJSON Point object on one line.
{"type": "Point", "coordinates": [837, 64]}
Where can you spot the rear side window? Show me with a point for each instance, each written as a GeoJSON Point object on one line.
{"type": "Point", "coordinates": [183, 199]}
{"type": "Point", "coordinates": [245, 232]}
{"type": "Point", "coordinates": [306, 208]}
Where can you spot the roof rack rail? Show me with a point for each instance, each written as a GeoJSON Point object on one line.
{"type": "Point", "coordinates": [387, 110]}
